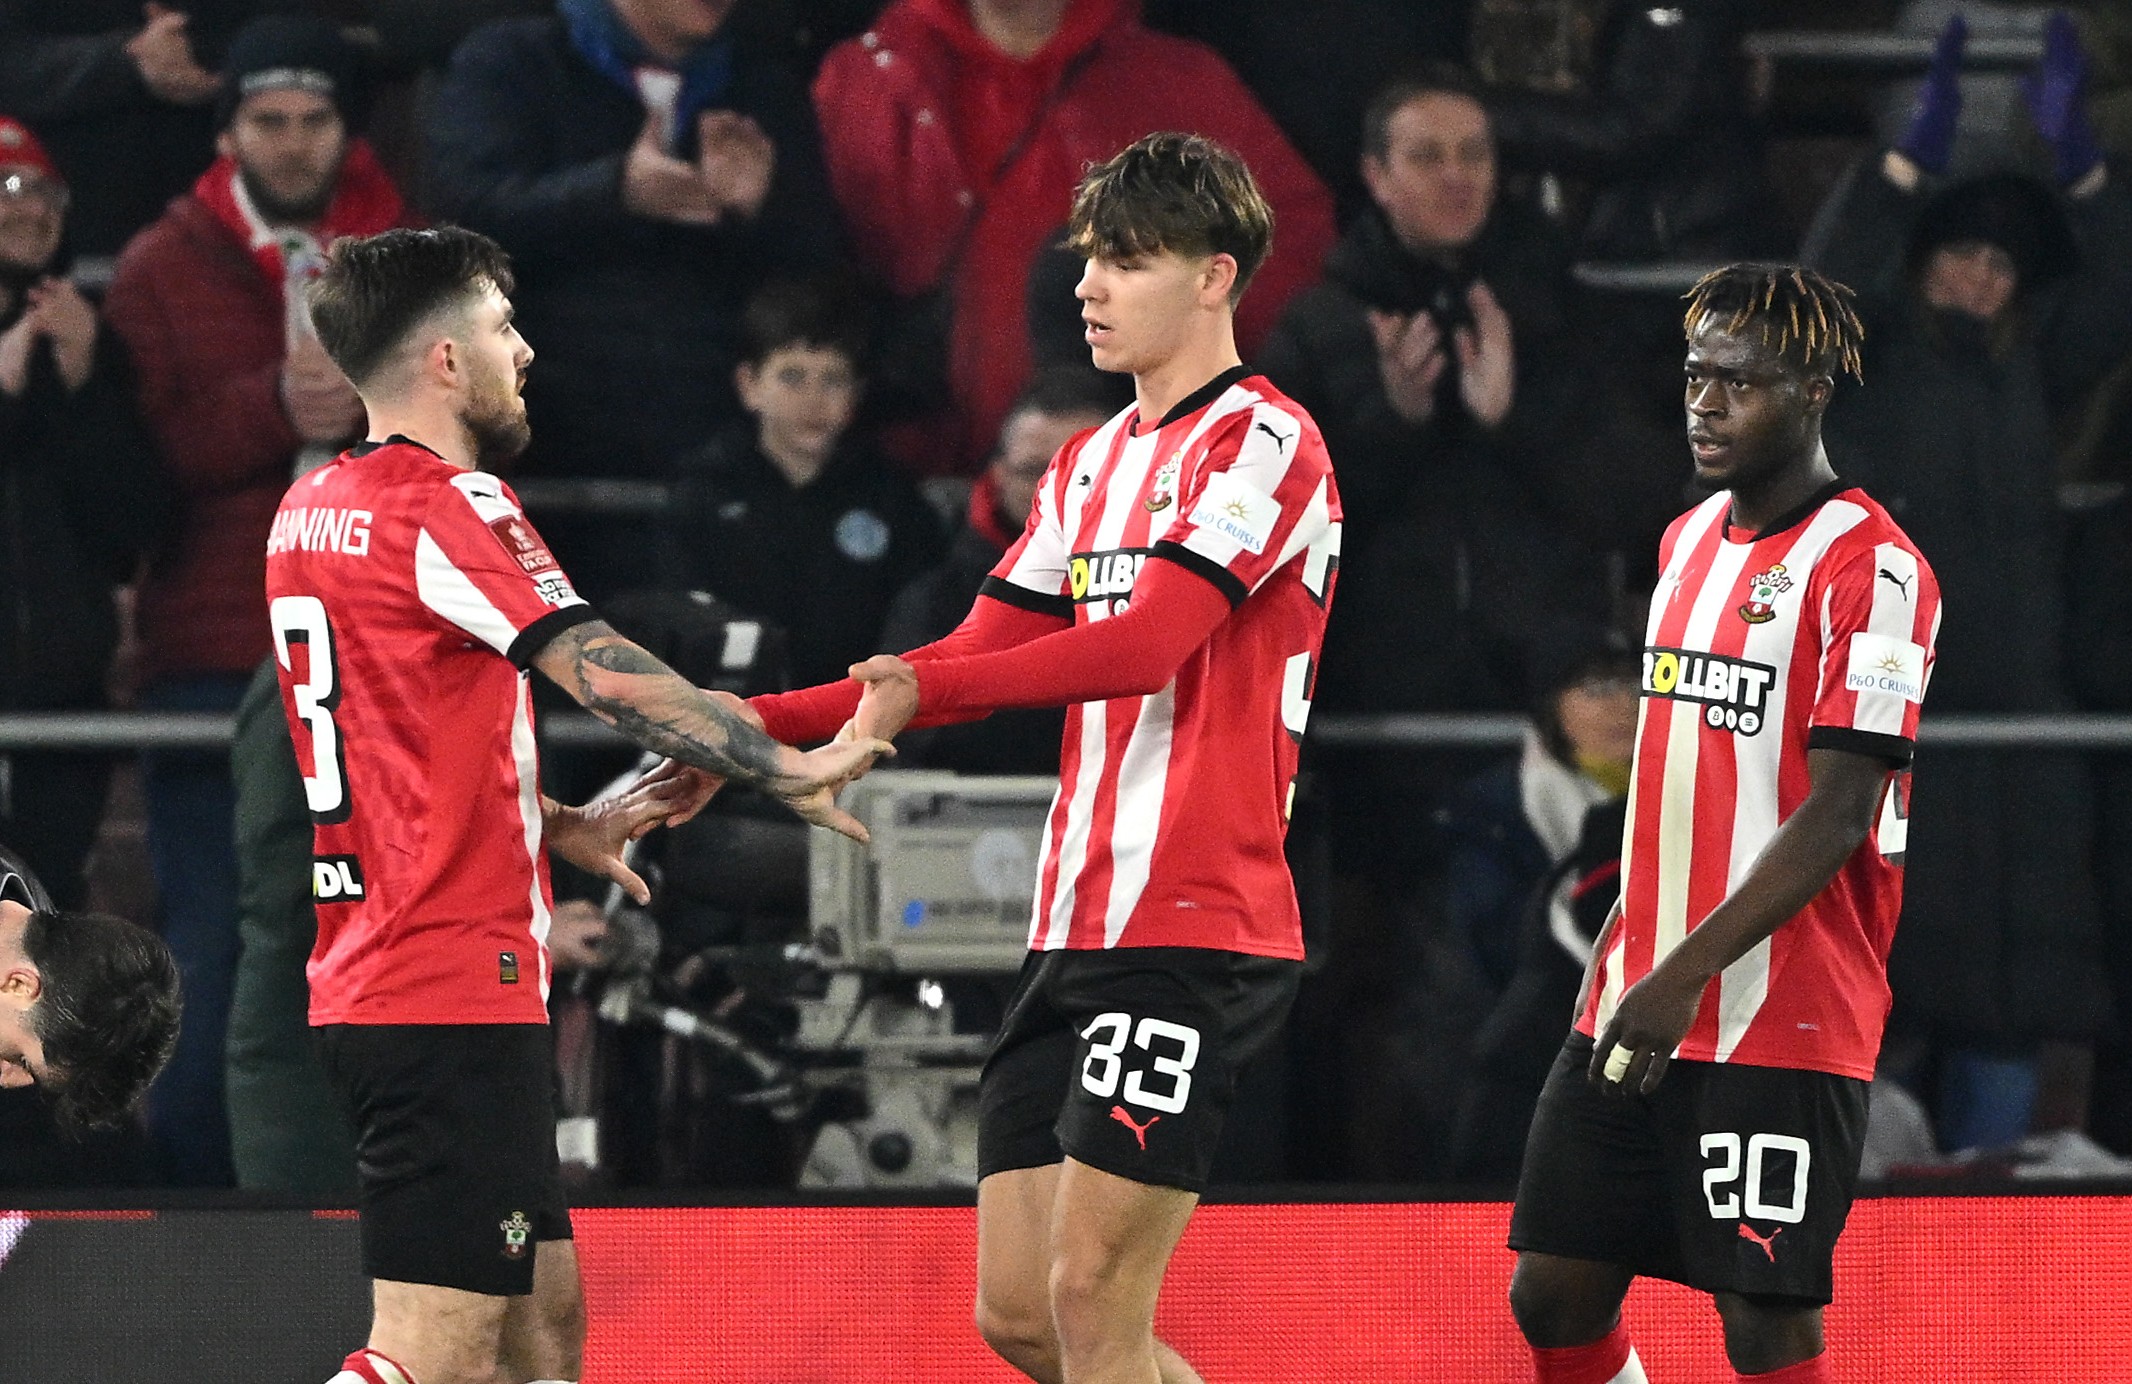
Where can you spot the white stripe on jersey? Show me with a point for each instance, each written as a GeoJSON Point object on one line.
{"type": "Point", "coordinates": [452, 594]}
{"type": "Point", "coordinates": [1744, 985]}
{"type": "Point", "coordinates": [525, 757]}
{"type": "Point", "coordinates": [485, 493]}
{"type": "Point", "coordinates": [1069, 839]}
{"type": "Point", "coordinates": [1144, 768]}
{"type": "Point", "coordinates": [1143, 778]}
{"type": "Point", "coordinates": [1712, 511]}
{"type": "Point", "coordinates": [1262, 460]}
{"type": "Point", "coordinates": [1676, 805]}
{"type": "Point", "coordinates": [1894, 617]}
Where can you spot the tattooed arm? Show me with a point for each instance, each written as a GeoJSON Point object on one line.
{"type": "Point", "coordinates": [622, 684]}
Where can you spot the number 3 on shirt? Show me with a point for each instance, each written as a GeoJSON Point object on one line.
{"type": "Point", "coordinates": [302, 620]}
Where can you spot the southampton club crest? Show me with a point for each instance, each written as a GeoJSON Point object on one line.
{"type": "Point", "coordinates": [517, 1234]}
{"type": "Point", "coordinates": [1762, 590]}
{"type": "Point", "coordinates": [1164, 492]}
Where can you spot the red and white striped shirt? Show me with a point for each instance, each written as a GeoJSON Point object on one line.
{"type": "Point", "coordinates": [406, 597]}
{"type": "Point", "coordinates": [1168, 825]}
{"type": "Point", "coordinates": [1815, 634]}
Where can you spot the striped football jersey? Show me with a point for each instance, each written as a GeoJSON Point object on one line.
{"type": "Point", "coordinates": [407, 597]}
{"type": "Point", "coordinates": [1814, 634]}
{"type": "Point", "coordinates": [1168, 825]}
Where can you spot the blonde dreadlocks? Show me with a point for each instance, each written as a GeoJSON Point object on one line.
{"type": "Point", "coordinates": [1806, 318]}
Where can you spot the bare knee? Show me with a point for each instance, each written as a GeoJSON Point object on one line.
{"type": "Point", "coordinates": [1763, 1334]}
{"type": "Point", "coordinates": [1020, 1332]}
{"type": "Point", "coordinates": [1088, 1309]}
{"type": "Point", "coordinates": [1565, 1302]}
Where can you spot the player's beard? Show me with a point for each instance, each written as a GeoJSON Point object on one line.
{"type": "Point", "coordinates": [497, 426]}
{"type": "Point", "coordinates": [279, 212]}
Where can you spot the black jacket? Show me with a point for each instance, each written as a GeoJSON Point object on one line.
{"type": "Point", "coordinates": [1663, 138]}
{"type": "Point", "coordinates": [632, 320]}
{"type": "Point", "coordinates": [1450, 566]}
{"type": "Point", "coordinates": [1952, 432]}
{"type": "Point", "coordinates": [81, 498]}
{"type": "Point", "coordinates": [822, 561]}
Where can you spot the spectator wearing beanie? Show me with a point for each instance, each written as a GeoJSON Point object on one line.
{"type": "Point", "coordinates": [239, 395]}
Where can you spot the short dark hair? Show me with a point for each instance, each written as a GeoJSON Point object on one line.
{"type": "Point", "coordinates": [1058, 389]}
{"type": "Point", "coordinates": [822, 311]}
{"type": "Point", "coordinates": [1426, 79]}
{"type": "Point", "coordinates": [1810, 322]}
{"type": "Point", "coordinates": [376, 289]}
{"type": "Point", "coordinates": [1175, 192]}
{"type": "Point", "coordinates": [106, 1012]}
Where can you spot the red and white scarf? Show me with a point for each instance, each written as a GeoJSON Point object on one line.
{"type": "Point", "coordinates": [364, 203]}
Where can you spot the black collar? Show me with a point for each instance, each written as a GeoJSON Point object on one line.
{"type": "Point", "coordinates": [1206, 394]}
{"type": "Point", "coordinates": [1796, 514]}
{"type": "Point", "coordinates": [368, 445]}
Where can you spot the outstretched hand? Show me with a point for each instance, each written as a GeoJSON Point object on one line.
{"type": "Point", "coordinates": [810, 787]}
{"type": "Point", "coordinates": [594, 837]}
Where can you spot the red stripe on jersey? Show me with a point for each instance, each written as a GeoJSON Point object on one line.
{"type": "Point", "coordinates": [1757, 648]}
{"type": "Point", "coordinates": [1240, 491]}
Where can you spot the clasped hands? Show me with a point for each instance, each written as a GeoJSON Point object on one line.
{"type": "Point", "coordinates": [729, 177]}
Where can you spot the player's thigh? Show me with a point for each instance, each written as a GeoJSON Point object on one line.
{"type": "Point", "coordinates": [440, 1335]}
{"type": "Point", "coordinates": [1765, 1165]}
{"type": "Point", "coordinates": [1024, 1082]}
{"type": "Point", "coordinates": [1111, 1241]}
{"type": "Point", "coordinates": [1595, 1185]}
{"type": "Point", "coordinates": [544, 1332]}
{"type": "Point", "coordinates": [457, 1173]}
{"type": "Point", "coordinates": [1161, 1034]}
{"type": "Point", "coordinates": [1014, 1210]}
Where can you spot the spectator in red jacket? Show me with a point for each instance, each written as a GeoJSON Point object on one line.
{"type": "Point", "coordinates": [236, 391]}
{"type": "Point", "coordinates": [955, 131]}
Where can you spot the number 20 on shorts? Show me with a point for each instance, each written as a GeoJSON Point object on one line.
{"type": "Point", "coordinates": [1105, 1062]}
{"type": "Point", "coordinates": [1723, 1150]}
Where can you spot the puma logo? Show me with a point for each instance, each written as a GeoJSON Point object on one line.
{"type": "Point", "coordinates": [1280, 440]}
{"type": "Point", "coordinates": [1902, 584]}
{"type": "Point", "coordinates": [1117, 1112]}
{"type": "Point", "coordinates": [1768, 1248]}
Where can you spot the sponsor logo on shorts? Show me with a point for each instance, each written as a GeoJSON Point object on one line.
{"type": "Point", "coordinates": [1117, 1112]}
{"type": "Point", "coordinates": [1767, 1242]}
{"type": "Point", "coordinates": [507, 968]}
{"type": "Point", "coordinates": [1733, 693]}
{"type": "Point", "coordinates": [517, 1235]}
{"type": "Point", "coordinates": [336, 878]}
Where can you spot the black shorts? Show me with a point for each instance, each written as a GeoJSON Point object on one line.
{"type": "Point", "coordinates": [1126, 1059]}
{"type": "Point", "coordinates": [1730, 1179]}
{"type": "Point", "coordinates": [455, 1149]}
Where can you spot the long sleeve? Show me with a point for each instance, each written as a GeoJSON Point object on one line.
{"type": "Point", "coordinates": [50, 78]}
{"type": "Point", "coordinates": [816, 713]}
{"type": "Point", "coordinates": [1136, 653]}
{"type": "Point", "coordinates": [491, 159]}
{"type": "Point", "coordinates": [216, 429]}
{"type": "Point", "coordinates": [117, 495]}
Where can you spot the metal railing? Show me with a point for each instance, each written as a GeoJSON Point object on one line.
{"type": "Point", "coordinates": [185, 730]}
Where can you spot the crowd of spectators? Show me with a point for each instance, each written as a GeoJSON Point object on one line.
{"type": "Point", "coordinates": [793, 265]}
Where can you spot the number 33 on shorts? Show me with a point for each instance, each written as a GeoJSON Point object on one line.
{"type": "Point", "coordinates": [1160, 1080]}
